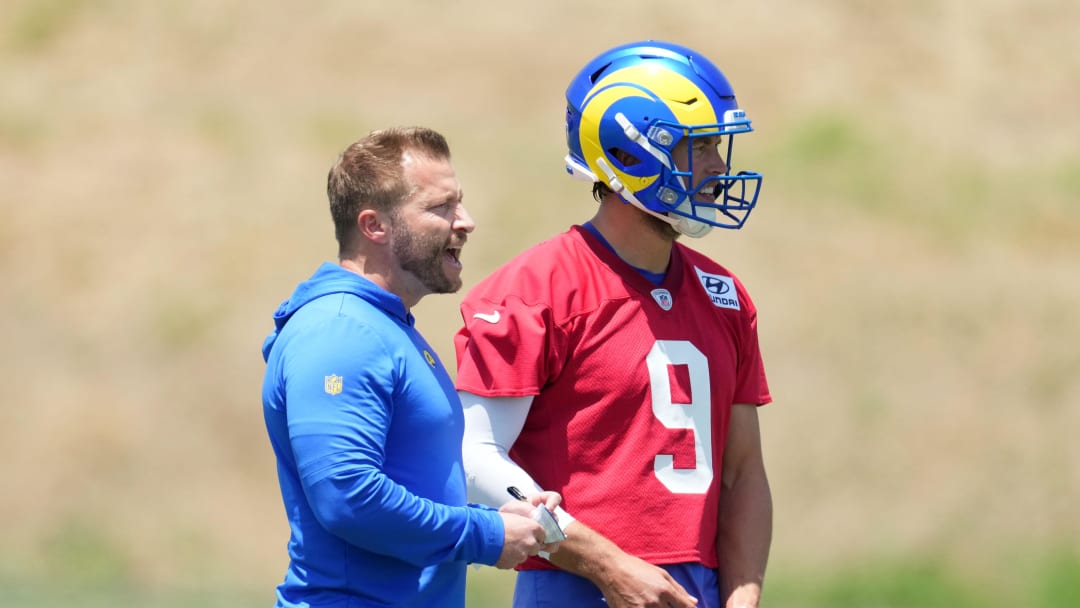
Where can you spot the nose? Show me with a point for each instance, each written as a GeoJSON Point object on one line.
{"type": "Point", "coordinates": [463, 221]}
{"type": "Point", "coordinates": [715, 163]}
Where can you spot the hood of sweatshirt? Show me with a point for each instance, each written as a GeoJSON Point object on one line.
{"type": "Point", "coordinates": [330, 279]}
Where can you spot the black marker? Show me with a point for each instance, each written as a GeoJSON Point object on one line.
{"type": "Point", "coordinates": [516, 493]}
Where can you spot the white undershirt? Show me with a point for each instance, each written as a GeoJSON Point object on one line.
{"type": "Point", "coordinates": [492, 425]}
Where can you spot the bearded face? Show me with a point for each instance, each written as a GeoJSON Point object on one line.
{"type": "Point", "coordinates": [428, 256]}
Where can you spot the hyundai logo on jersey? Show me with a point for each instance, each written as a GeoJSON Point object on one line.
{"type": "Point", "coordinates": [714, 285]}
{"type": "Point", "coordinates": [721, 289]}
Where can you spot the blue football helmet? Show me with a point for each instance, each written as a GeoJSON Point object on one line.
{"type": "Point", "coordinates": [628, 108]}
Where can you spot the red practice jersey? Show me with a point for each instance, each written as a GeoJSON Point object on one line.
{"type": "Point", "coordinates": [634, 385]}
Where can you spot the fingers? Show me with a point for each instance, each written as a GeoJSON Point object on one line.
{"type": "Point", "coordinates": [523, 538]}
{"type": "Point", "coordinates": [548, 499]}
{"type": "Point", "coordinates": [549, 548]}
{"type": "Point", "coordinates": [683, 600]}
{"type": "Point", "coordinates": [553, 502]}
{"type": "Point", "coordinates": [516, 507]}
{"type": "Point", "coordinates": [679, 597]}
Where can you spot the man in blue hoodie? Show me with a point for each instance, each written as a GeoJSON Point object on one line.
{"type": "Point", "coordinates": [363, 418]}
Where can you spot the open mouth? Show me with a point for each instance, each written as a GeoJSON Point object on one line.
{"type": "Point", "coordinates": [718, 190]}
{"type": "Point", "coordinates": [453, 255]}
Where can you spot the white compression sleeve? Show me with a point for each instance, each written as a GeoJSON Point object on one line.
{"type": "Point", "coordinates": [492, 425]}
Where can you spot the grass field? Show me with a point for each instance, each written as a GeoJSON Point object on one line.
{"type": "Point", "coordinates": [1049, 581]}
{"type": "Point", "coordinates": [914, 259]}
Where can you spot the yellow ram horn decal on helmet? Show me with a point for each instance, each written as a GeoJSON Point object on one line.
{"type": "Point", "coordinates": [685, 99]}
{"type": "Point", "coordinates": [594, 110]}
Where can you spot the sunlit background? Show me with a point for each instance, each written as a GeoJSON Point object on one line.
{"type": "Point", "coordinates": [915, 259]}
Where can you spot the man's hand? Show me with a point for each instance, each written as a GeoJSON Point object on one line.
{"type": "Point", "coordinates": [635, 583]}
{"type": "Point", "coordinates": [548, 499]}
{"type": "Point", "coordinates": [746, 596]}
{"type": "Point", "coordinates": [626, 581]}
{"type": "Point", "coordinates": [523, 537]}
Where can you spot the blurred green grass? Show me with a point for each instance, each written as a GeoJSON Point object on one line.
{"type": "Point", "coordinates": [1047, 580]}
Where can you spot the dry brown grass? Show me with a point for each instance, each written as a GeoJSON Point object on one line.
{"type": "Point", "coordinates": [163, 169]}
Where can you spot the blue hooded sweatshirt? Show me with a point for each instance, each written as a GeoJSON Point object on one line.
{"type": "Point", "coordinates": [366, 427]}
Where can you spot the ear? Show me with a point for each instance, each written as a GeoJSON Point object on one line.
{"type": "Point", "coordinates": [373, 226]}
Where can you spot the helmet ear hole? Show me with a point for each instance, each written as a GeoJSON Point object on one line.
{"type": "Point", "coordinates": [625, 158]}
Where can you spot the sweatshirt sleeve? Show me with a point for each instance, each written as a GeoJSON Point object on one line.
{"type": "Point", "coordinates": [338, 441]}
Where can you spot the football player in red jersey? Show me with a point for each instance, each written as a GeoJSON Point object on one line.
{"type": "Point", "coordinates": [621, 368]}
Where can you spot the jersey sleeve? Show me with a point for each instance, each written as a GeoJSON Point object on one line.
{"type": "Point", "coordinates": [751, 385]}
{"type": "Point", "coordinates": [507, 347]}
{"type": "Point", "coordinates": [338, 441]}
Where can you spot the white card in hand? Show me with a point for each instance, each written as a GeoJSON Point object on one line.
{"type": "Point", "coordinates": [552, 532]}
